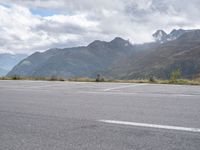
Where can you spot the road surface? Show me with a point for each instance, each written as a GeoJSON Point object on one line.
{"type": "Point", "coordinates": [41, 115]}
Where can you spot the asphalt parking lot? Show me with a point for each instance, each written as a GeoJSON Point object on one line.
{"type": "Point", "coordinates": [45, 115]}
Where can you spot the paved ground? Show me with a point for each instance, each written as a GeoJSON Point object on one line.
{"type": "Point", "coordinates": [67, 116]}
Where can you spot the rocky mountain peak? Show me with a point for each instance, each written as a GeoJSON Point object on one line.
{"type": "Point", "coordinates": [118, 41]}
{"type": "Point", "coordinates": [95, 43]}
{"type": "Point", "coordinates": [162, 37]}
{"type": "Point", "coordinates": [159, 35]}
{"type": "Point", "coordinates": [174, 34]}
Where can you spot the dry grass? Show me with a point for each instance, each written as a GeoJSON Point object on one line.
{"type": "Point", "coordinates": [82, 79]}
{"type": "Point", "coordinates": [54, 78]}
{"type": "Point", "coordinates": [180, 82]}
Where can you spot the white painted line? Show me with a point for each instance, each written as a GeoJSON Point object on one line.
{"type": "Point", "coordinates": [122, 87]}
{"type": "Point", "coordinates": [151, 125]}
{"type": "Point", "coordinates": [135, 93]}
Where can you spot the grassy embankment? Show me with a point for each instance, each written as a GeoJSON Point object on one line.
{"type": "Point", "coordinates": [155, 81]}
{"type": "Point", "coordinates": [33, 78]}
{"type": "Point", "coordinates": [158, 81]}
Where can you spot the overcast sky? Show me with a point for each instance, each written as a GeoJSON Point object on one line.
{"type": "Point", "coordinates": [27, 26]}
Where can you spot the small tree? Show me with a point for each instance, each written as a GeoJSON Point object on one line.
{"type": "Point", "coordinates": [152, 79]}
{"type": "Point", "coordinates": [175, 75]}
{"type": "Point", "coordinates": [98, 78]}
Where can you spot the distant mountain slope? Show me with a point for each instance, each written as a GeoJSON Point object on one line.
{"type": "Point", "coordinates": [119, 59]}
{"type": "Point", "coordinates": [8, 61]}
{"type": "Point", "coordinates": [3, 72]}
{"type": "Point", "coordinates": [74, 62]}
{"type": "Point", "coordinates": [182, 53]}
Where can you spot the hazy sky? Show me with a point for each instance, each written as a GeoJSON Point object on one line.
{"type": "Point", "coordinates": [31, 25]}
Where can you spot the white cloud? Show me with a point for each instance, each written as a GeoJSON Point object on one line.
{"type": "Point", "coordinates": [78, 22]}
{"type": "Point", "coordinates": [23, 32]}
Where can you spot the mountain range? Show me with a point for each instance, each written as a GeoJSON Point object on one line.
{"type": "Point", "coordinates": [119, 59]}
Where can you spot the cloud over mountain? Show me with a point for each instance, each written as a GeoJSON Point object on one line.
{"type": "Point", "coordinates": [27, 26]}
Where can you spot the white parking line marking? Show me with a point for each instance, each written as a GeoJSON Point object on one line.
{"type": "Point", "coordinates": [122, 87]}
{"type": "Point", "coordinates": [151, 125]}
{"type": "Point", "coordinates": [135, 93]}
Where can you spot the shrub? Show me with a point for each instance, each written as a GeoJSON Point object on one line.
{"type": "Point", "coordinates": [99, 78]}
{"type": "Point", "coordinates": [15, 77]}
{"type": "Point", "coordinates": [152, 79]}
{"type": "Point", "coordinates": [175, 75]}
{"type": "Point", "coordinates": [54, 78]}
